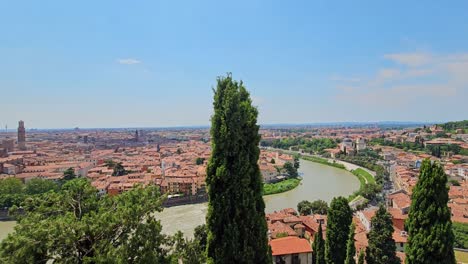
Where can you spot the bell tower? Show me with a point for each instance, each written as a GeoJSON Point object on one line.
{"type": "Point", "coordinates": [21, 136]}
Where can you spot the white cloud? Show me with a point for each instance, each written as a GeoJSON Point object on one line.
{"type": "Point", "coordinates": [409, 59]}
{"type": "Point", "coordinates": [417, 77]}
{"type": "Point", "coordinates": [128, 61]}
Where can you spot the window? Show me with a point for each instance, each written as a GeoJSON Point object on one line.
{"type": "Point", "coordinates": [280, 260]}
{"type": "Point", "coordinates": [296, 259]}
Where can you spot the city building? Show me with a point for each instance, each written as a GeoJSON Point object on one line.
{"type": "Point", "coordinates": [21, 136]}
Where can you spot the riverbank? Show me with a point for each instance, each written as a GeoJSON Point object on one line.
{"type": "Point", "coordinates": [280, 187]}
{"type": "Point", "coordinates": [324, 161]}
{"type": "Point", "coordinates": [364, 175]}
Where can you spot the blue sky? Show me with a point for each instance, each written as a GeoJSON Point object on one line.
{"type": "Point", "coordinates": [153, 63]}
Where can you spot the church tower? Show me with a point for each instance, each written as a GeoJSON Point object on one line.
{"type": "Point", "coordinates": [21, 136]}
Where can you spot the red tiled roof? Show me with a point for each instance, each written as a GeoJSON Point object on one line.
{"type": "Point", "coordinates": [289, 245]}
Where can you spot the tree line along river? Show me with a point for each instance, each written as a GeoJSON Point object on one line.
{"type": "Point", "coordinates": [319, 182]}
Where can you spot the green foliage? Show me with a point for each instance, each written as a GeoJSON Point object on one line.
{"type": "Point", "coordinates": [414, 146]}
{"type": "Point", "coordinates": [324, 161]}
{"type": "Point", "coordinates": [339, 220]}
{"type": "Point", "coordinates": [370, 191]}
{"type": "Point", "coordinates": [201, 236]}
{"type": "Point", "coordinates": [454, 182]}
{"type": "Point", "coordinates": [350, 247]}
{"type": "Point", "coordinates": [297, 163]}
{"type": "Point", "coordinates": [39, 186]}
{"type": "Point", "coordinates": [319, 207]}
{"type": "Point", "coordinates": [186, 250]}
{"type": "Point", "coordinates": [199, 161]}
{"type": "Point", "coordinates": [438, 150]}
{"type": "Point", "coordinates": [272, 161]}
{"type": "Point", "coordinates": [11, 192]}
{"type": "Point", "coordinates": [280, 187]}
{"type": "Point", "coordinates": [452, 126]}
{"type": "Point", "coordinates": [110, 164]}
{"type": "Point", "coordinates": [368, 188]}
{"type": "Point", "coordinates": [119, 170]}
{"type": "Point", "coordinates": [315, 207]}
{"type": "Point", "coordinates": [237, 229]}
{"type": "Point", "coordinates": [361, 257]}
{"type": "Point", "coordinates": [363, 173]}
{"type": "Point", "coordinates": [76, 225]}
{"type": "Point", "coordinates": [460, 231]}
{"type": "Point", "coordinates": [315, 145]}
{"type": "Point", "coordinates": [290, 170]}
{"type": "Point", "coordinates": [318, 247]}
{"type": "Point", "coordinates": [382, 248]}
{"type": "Point", "coordinates": [304, 207]}
{"type": "Point", "coordinates": [69, 174]}
{"type": "Point", "coordinates": [429, 225]}
{"type": "Point", "coordinates": [280, 235]}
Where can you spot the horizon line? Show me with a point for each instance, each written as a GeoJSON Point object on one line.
{"type": "Point", "coordinates": [261, 125]}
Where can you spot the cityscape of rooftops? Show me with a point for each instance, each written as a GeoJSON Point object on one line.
{"type": "Point", "coordinates": [234, 132]}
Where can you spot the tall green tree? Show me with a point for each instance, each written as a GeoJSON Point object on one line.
{"type": "Point", "coordinates": [429, 225]}
{"type": "Point", "coordinates": [76, 225]}
{"type": "Point", "coordinates": [340, 217]}
{"type": "Point", "coordinates": [318, 247]}
{"type": "Point", "coordinates": [361, 257]}
{"type": "Point", "coordinates": [382, 248]}
{"type": "Point", "coordinates": [237, 230]}
{"type": "Point", "coordinates": [350, 247]}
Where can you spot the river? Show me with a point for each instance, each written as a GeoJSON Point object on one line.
{"type": "Point", "coordinates": [319, 182]}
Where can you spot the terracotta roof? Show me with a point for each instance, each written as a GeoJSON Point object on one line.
{"type": "Point", "coordinates": [289, 245]}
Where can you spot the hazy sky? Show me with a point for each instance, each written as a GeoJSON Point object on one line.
{"type": "Point", "coordinates": [154, 63]}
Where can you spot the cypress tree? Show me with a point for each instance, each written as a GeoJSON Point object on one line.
{"type": "Point", "coordinates": [350, 247]}
{"type": "Point", "coordinates": [340, 217]}
{"type": "Point", "coordinates": [318, 247]}
{"type": "Point", "coordinates": [429, 225]}
{"type": "Point", "coordinates": [237, 229]}
{"type": "Point", "coordinates": [361, 257]}
{"type": "Point", "coordinates": [382, 248]}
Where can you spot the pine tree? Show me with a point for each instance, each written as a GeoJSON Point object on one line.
{"type": "Point", "coordinates": [318, 247]}
{"type": "Point", "coordinates": [382, 248]}
{"type": "Point", "coordinates": [237, 230]}
{"type": "Point", "coordinates": [429, 225]}
{"type": "Point", "coordinates": [361, 257]}
{"type": "Point", "coordinates": [340, 217]}
{"type": "Point", "coordinates": [350, 247]}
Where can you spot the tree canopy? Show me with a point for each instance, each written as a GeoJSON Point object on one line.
{"type": "Point", "coordinates": [381, 247]}
{"type": "Point", "coordinates": [350, 247]}
{"type": "Point", "coordinates": [237, 230]}
{"type": "Point", "coordinates": [76, 225]}
{"type": "Point", "coordinates": [429, 224]}
{"type": "Point", "coordinates": [318, 247]}
{"type": "Point", "coordinates": [340, 217]}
